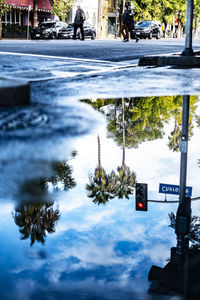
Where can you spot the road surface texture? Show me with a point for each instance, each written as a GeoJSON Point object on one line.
{"type": "Point", "coordinates": [65, 69]}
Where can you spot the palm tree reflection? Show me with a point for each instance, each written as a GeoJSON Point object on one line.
{"type": "Point", "coordinates": [102, 186]}
{"type": "Point", "coordinates": [35, 219]}
{"type": "Point", "coordinates": [36, 214]}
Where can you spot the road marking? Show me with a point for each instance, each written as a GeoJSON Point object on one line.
{"type": "Point", "coordinates": [57, 57]}
{"type": "Point", "coordinates": [92, 73]}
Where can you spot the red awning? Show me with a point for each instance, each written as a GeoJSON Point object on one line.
{"type": "Point", "coordinates": [42, 4]}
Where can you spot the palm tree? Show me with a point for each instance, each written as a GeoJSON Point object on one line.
{"type": "Point", "coordinates": [101, 186]}
{"type": "Point", "coordinates": [35, 219]}
{"type": "Point", "coordinates": [126, 179]}
{"type": "Point", "coordinates": [36, 216]}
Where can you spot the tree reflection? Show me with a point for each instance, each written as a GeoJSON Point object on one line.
{"type": "Point", "coordinates": [194, 233]}
{"type": "Point", "coordinates": [62, 175]}
{"type": "Point", "coordinates": [126, 180]}
{"type": "Point", "coordinates": [36, 216]}
{"type": "Point", "coordinates": [101, 186]}
{"type": "Point", "coordinates": [145, 118]}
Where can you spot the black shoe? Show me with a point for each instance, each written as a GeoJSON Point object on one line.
{"type": "Point", "coordinates": [126, 40]}
{"type": "Point", "coordinates": [137, 39]}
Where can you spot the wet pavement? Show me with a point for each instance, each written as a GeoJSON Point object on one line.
{"type": "Point", "coordinates": [57, 240]}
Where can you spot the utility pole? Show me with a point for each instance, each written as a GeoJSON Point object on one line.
{"type": "Point", "coordinates": [188, 30]}
{"type": "Point", "coordinates": [116, 18]}
{"type": "Point", "coordinates": [184, 212]}
{"type": "Point", "coordinates": [99, 19]}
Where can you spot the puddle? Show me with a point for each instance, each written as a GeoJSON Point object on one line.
{"type": "Point", "coordinates": [69, 229]}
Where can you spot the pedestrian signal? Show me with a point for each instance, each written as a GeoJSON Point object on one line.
{"type": "Point", "coordinates": [141, 197]}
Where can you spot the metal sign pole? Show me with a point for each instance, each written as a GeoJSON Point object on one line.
{"type": "Point", "coordinates": [183, 212]}
{"type": "Point", "coordinates": [188, 30]}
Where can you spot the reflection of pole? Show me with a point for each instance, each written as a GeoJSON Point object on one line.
{"type": "Point", "coordinates": [184, 146]}
{"type": "Point", "coordinates": [188, 30]}
{"type": "Point", "coordinates": [182, 218]}
{"type": "Point", "coordinates": [123, 132]}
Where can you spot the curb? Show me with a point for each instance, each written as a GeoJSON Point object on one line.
{"type": "Point", "coordinates": [14, 92]}
{"type": "Point", "coordinates": [176, 60]}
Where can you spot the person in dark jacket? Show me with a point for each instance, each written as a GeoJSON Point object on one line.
{"type": "Point", "coordinates": [128, 24]}
{"type": "Point", "coordinates": [78, 22]}
{"type": "Point", "coordinates": [125, 25]}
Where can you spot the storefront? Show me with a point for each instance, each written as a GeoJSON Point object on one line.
{"type": "Point", "coordinates": [16, 20]}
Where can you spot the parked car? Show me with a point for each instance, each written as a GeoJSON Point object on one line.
{"type": "Point", "coordinates": [67, 33]}
{"type": "Point", "coordinates": [48, 30]}
{"type": "Point", "coordinates": [148, 29]}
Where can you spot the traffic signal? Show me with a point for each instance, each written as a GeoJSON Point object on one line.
{"type": "Point", "coordinates": [141, 197]}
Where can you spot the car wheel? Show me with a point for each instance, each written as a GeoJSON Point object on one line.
{"type": "Point", "coordinates": [150, 35]}
{"type": "Point", "coordinates": [53, 36]}
{"type": "Point", "coordinates": [93, 37]}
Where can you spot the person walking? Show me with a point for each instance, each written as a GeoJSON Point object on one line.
{"type": "Point", "coordinates": [128, 24]}
{"type": "Point", "coordinates": [78, 22]}
{"type": "Point", "coordinates": [125, 25]}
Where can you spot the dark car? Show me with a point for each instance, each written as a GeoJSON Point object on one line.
{"type": "Point", "coordinates": [148, 29]}
{"type": "Point", "coordinates": [48, 30]}
{"type": "Point", "coordinates": [67, 33]}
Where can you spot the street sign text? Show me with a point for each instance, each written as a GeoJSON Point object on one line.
{"type": "Point", "coordinates": [174, 189]}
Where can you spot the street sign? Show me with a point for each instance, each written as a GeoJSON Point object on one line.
{"type": "Point", "coordinates": [174, 189]}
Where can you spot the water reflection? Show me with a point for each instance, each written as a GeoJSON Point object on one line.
{"type": "Point", "coordinates": [34, 219]}
{"type": "Point", "coordinates": [35, 213]}
{"type": "Point", "coordinates": [96, 251]}
{"type": "Point", "coordinates": [144, 118]}
{"type": "Point", "coordinates": [103, 186]}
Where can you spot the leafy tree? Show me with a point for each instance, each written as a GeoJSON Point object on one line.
{"type": "Point", "coordinates": [3, 10]}
{"type": "Point", "coordinates": [63, 174]}
{"type": "Point", "coordinates": [62, 7]}
{"type": "Point", "coordinates": [194, 233]}
{"type": "Point", "coordinates": [144, 120]}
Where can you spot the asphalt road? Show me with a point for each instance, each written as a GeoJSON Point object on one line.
{"type": "Point", "coordinates": [112, 50]}
{"type": "Point", "coordinates": [102, 68]}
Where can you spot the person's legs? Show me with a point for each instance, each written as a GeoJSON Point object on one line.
{"type": "Point", "coordinates": [75, 30]}
{"type": "Point", "coordinates": [122, 31]}
{"type": "Point", "coordinates": [127, 32]}
{"type": "Point", "coordinates": [82, 32]}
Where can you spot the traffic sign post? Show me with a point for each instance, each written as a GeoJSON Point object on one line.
{"type": "Point", "coordinates": [181, 218]}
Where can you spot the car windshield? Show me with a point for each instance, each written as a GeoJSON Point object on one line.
{"type": "Point", "coordinates": [47, 25]}
{"type": "Point", "coordinates": [143, 24]}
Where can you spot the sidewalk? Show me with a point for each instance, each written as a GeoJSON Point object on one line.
{"type": "Point", "coordinates": [171, 60]}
